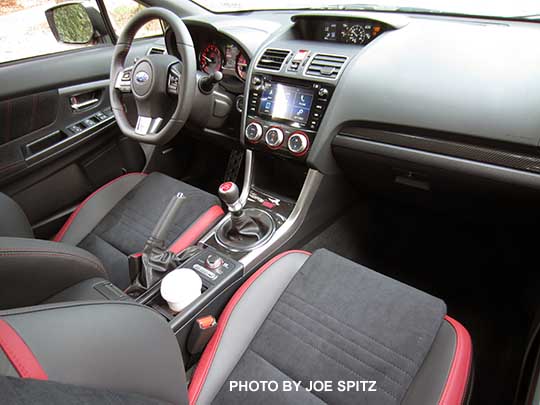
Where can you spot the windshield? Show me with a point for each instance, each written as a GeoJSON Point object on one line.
{"type": "Point", "coordinates": [493, 8]}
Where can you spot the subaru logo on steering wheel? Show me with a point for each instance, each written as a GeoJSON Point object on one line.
{"type": "Point", "coordinates": [141, 77]}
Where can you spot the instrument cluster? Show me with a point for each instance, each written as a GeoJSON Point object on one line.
{"type": "Point", "coordinates": [215, 52]}
{"type": "Point", "coordinates": [225, 57]}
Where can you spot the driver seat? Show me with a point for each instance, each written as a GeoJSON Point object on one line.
{"type": "Point", "coordinates": [112, 223]}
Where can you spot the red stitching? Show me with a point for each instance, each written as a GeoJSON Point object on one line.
{"type": "Point", "coordinates": [98, 267]}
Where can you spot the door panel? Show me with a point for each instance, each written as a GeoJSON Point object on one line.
{"type": "Point", "coordinates": [58, 137]}
{"type": "Point", "coordinates": [27, 150]}
{"type": "Point", "coordinates": [57, 191]}
{"type": "Point", "coordinates": [26, 114]}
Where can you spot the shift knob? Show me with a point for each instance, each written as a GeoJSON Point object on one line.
{"type": "Point", "coordinates": [230, 195]}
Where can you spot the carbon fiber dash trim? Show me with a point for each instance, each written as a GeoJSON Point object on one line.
{"type": "Point", "coordinates": [521, 161]}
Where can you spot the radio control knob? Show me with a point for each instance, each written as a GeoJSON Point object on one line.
{"type": "Point", "coordinates": [254, 131]}
{"type": "Point", "coordinates": [256, 80]}
{"type": "Point", "coordinates": [323, 93]}
{"type": "Point", "coordinates": [298, 143]}
{"type": "Point", "coordinates": [274, 137]}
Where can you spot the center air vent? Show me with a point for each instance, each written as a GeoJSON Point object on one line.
{"type": "Point", "coordinates": [324, 65]}
{"type": "Point", "coordinates": [272, 59]}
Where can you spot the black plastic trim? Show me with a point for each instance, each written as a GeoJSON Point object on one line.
{"type": "Point", "coordinates": [522, 158]}
{"type": "Point", "coordinates": [450, 163]}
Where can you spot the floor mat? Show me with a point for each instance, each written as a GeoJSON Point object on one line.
{"type": "Point", "coordinates": [481, 270]}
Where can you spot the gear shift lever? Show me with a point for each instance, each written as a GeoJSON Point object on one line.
{"type": "Point", "coordinates": [243, 226]}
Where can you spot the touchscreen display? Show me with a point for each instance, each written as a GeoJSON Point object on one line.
{"type": "Point", "coordinates": [286, 102]}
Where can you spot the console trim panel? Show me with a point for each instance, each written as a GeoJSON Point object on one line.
{"type": "Point", "coordinates": [291, 225]}
{"type": "Point", "coordinates": [284, 232]}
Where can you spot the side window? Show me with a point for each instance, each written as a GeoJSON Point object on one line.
{"type": "Point", "coordinates": [25, 32]}
{"type": "Point", "coordinates": [121, 11]}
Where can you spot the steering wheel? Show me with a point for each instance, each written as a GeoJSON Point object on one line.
{"type": "Point", "coordinates": [163, 86]}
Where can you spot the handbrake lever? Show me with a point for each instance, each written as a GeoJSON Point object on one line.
{"type": "Point", "coordinates": [157, 238]}
{"type": "Point", "coordinates": [156, 258]}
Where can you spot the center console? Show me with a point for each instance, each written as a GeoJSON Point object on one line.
{"type": "Point", "coordinates": [216, 270]}
{"type": "Point", "coordinates": [281, 201]}
{"type": "Point", "coordinates": [284, 114]}
{"type": "Point", "coordinates": [257, 224]}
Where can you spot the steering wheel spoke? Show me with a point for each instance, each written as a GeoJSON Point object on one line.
{"type": "Point", "coordinates": [123, 80]}
{"type": "Point", "coordinates": [173, 79]}
{"type": "Point", "coordinates": [147, 125]}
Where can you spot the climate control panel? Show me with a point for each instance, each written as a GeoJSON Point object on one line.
{"type": "Point", "coordinates": [286, 140]}
{"type": "Point", "coordinates": [283, 115]}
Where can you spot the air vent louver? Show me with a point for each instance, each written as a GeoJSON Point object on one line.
{"type": "Point", "coordinates": [272, 59]}
{"type": "Point", "coordinates": [323, 65]}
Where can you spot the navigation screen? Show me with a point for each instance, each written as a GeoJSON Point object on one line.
{"type": "Point", "coordinates": [286, 102]}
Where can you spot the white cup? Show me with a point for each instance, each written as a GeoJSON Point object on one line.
{"type": "Point", "coordinates": [180, 288]}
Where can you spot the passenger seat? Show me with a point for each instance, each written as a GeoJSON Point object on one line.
{"type": "Point", "coordinates": [320, 317]}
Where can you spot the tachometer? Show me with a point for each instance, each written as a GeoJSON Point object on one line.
{"type": "Point", "coordinates": [356, 35]}
{"type": "Point", "coordinates": [211, 59]}
{"type": "Point", "coordinates": [241, 66]}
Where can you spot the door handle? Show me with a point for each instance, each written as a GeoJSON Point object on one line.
{"type": "Point", "coordinates": [84, 104]}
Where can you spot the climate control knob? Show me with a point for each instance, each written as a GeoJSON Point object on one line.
{"type": "Point", "coordinates": [274, 137]}
{"type": "Point", "coordinates": [254, 132]}
{"type": "Point", "coordinates": [298, 143]}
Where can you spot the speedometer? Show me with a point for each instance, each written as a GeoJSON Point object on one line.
{"type": "Point", "coordinates": [241, 66]}
{"type": "Point", "coordinates": [356, 35]}
{"type": "Point", "coordinates": [211, 59]}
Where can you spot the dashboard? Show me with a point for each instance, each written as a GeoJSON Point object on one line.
{"type": "Point", "coordinates": [390, 84]}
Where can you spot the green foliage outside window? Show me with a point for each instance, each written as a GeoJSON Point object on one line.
{"type": "Point", "coordinates": [73, 24]}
